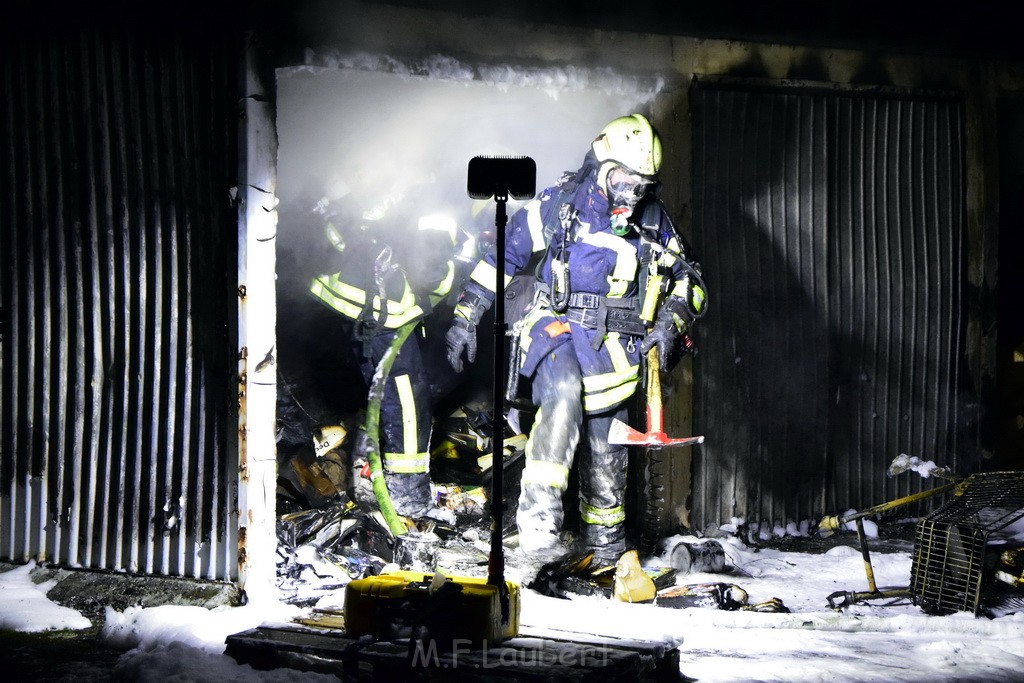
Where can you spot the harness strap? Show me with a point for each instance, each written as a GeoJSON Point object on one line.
{"type": "Point", "coordinates": [366, 323]}
{"type": "Point", "coordinates": [588, 300]}
{"type": "Point", "coordinates": [605, 314]}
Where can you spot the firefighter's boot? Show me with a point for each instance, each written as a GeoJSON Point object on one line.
{"type": "Point", "coordinates": [410, 493]}
{"type": "Point", "coordinates": [603, 490]}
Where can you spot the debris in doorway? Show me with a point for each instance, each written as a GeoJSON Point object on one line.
{"type": "Point", "coordinates": [577, 574]}
{"type": "Point", "coordinates": [332, 543]}
{"type": "Point", "coordinates": [321, 528]}
{"type": "Point", "coordinates": [375, 536]}
{"type": "Point", "coordinates": [331, 529]}
{"type": "Point", "coordinates": [316, 477]}
{"type": "Point", "coordinates": [328, 438]}
{"type": "Point", "coordinates": [468, 426]}
{"type": "Point", "coordinates": [632, 584]}
{"type": "Point", "coordinates": [463, 500]}
{"type": "Point", "coordinates": [417, 551]}
{"type": "Point", "coordinates": [460, 558]}
{"type": "Point", "coordinates": [358, 564]}
{"type": "Point", "coordinates": [463, 456]}
{"type": "Point", "coordinates": [771, 605]}
{"type": "Point", "coordinates": [726, 596]}
{"type": "Point", "coordinates": [572, 574]}
{"type": "Point", "coordinates": [513, 446]}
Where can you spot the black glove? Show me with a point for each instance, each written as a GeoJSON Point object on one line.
{"type": "Point", "coordinates": [462, 334]}
{"type": "Point", "coordinates": [461, 337]}
{"type": "Point", "coordinates": [668, 332]}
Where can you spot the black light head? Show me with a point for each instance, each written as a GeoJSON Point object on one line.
{"type": "Point", "coordinates": [502, 177]}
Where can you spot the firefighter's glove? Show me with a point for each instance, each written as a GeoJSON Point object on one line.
{"type": "Point", "coordinates": [668, 331]}
{"type": "Point", "coordinates": [461, 336]}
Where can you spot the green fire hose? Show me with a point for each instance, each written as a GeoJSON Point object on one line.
{"type": "Point", "coordinates": [380, 379]}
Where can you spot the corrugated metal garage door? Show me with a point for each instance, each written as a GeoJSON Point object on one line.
{"type": "Point", "coordinates": [830, 227]}
{"type": "Point", "coordinates": [118, 262]}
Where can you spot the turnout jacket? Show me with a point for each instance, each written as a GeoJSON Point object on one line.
{"type": "Point", "coordinates": [600, 263]}
{"type": "Point", "coordinates": [383, 286]}
{"type": "Point", "coordinates": [419, 274]}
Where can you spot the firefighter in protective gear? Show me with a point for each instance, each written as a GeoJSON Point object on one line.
{"type": "Point", "coordinates": [613, 281]}
{"type": "Point", "coordinates": [388, 276]}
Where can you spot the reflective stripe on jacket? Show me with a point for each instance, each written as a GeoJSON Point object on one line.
{"type": "Point", "coordinates": [350, 300]}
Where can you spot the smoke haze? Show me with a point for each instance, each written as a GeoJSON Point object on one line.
{"type": "Point", "coordinates": [381, 135]}
{"type": "Point", "coordinates": [389, 134]}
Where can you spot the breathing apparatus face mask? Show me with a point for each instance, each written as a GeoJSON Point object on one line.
{"type": "Point", "coordinates": [625, 190]}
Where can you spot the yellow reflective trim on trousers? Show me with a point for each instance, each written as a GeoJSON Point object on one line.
{"type": "Point", "coordinates": [544, 473]}
{"type": "Point", "coordinates": [536, 225]}
{"type": "Point", "coordinates": [623, 371]}
{"type": "Point", "coordinates": [485, 275]}
{"type": "Point", "coordinates": [610, 388]}
{"type": "Point", "coordinates": [602, 516]}
{"type": "Point", "coordinates": [406, 463]}
{"type": "Point", "coordinates": [596, 402]}
{"type": "Point", "coordinates": [407, 401]}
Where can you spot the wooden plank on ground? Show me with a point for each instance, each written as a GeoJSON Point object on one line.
{"type": "Point", "coordinates": [526, 658]}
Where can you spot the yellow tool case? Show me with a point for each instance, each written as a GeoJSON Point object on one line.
{"type": "Point", "coordinates": [393, 604]}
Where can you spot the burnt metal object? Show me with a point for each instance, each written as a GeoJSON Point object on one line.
{"type": "Point", "coordinates": [948, 573]}
{"type": "Point", "coordinates": [833, 523]}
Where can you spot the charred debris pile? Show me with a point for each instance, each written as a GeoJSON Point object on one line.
{"type": "Point", "coordinates": [967, 552]}
{"type": "Point", "coordinates": [331, 530]}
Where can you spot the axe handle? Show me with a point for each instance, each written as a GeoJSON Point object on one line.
{"type": "Point", "coordinates": [655, 419]}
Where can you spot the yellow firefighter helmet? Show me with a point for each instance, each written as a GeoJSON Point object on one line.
{"type": "Point", "coordinates": [629, 141]}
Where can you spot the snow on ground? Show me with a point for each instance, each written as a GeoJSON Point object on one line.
{"type": "Point", "coordinates": [883, 641]}
{"type": "Point", "coordinates": [24, 606]}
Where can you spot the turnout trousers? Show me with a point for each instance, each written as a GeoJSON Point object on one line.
{"type": "Point", "coordinates": [405, 423]}
{"type": "Point", "coordinates": [559, 428]}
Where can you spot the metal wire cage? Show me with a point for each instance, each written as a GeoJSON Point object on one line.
{"type": "Point", "coordinates": [948, 573]}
